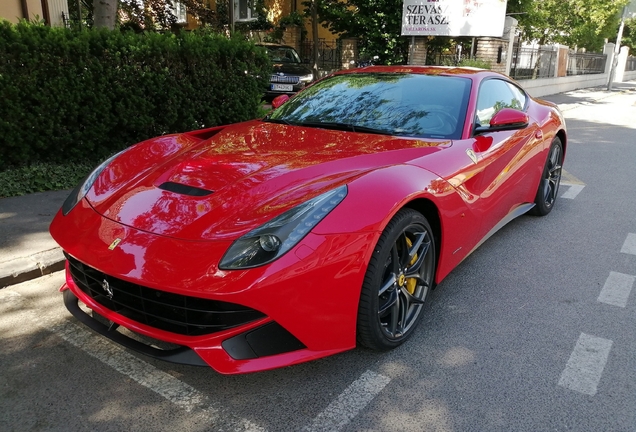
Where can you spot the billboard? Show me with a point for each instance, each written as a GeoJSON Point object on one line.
{"type": "Point", "coordinates": [453, 17]}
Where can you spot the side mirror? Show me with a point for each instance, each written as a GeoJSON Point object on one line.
{"type": "Point", "coordinates": [505, 119]}
{"type": "Point", "coordinates": [279, 100]}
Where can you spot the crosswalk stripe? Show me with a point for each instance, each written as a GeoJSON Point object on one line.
{"type": "Point", "coordinates": [584, 368]}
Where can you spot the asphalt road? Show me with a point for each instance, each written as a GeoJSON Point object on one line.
{"type": "Point", "coordinates": [535, 331]}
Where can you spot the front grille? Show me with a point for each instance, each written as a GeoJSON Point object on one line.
{"type": "Point", "coordinates": [185, 315]}
{"type": "Point", "coordinates": [284, 79]}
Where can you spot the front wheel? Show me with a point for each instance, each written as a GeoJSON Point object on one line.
{"type": "Point", "coordinates": [550, 180]}
{"type": "Point", "coordinates": [398, 279]}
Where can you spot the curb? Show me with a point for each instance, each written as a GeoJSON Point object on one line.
{"type": "Point", "coordinates": [26, 268]}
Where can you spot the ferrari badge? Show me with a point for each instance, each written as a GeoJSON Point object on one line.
{"type": "Point", "coordinates": [114, 244]}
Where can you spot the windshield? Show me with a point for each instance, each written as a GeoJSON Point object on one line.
{"type": "Point", "coordinates": [282, 55]}
{"type": "Point", "coordinates": [387, 103]}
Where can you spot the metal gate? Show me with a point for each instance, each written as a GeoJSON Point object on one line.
{"type": "Point", "coordinates": [329, 53]}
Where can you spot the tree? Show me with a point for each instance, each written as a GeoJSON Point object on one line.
{"type": "Point", "coordinates": [149, 15]}
{"type": "Point", "coordinates": [376, 23]}
{"type": "Point", "coordinates": [146, 14]}
{"type": "Point", "coordinates": [576, 23]}
{"type": "Point", "coordinates": [629, 35]}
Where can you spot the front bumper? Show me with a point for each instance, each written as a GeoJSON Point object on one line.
{"type": "Point", "coordinates": [182, 355]}
{"type": "Point", "coordinates": [227, 352]}
{"type": "Point", "coordinates": [311, 293]}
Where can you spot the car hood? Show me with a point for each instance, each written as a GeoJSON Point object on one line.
{"type": "Point", "coordinates": [291, 69]}
{"type": "Point", "coordinates": [250, 172]}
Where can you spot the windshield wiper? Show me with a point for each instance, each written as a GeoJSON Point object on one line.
{"type": "Point", "coordinates": [280, 121]}
{"type": "Point", "coordinates": [345, 127]}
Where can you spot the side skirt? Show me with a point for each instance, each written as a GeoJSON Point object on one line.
{"type": "Point", "coordinates": [515, 213]}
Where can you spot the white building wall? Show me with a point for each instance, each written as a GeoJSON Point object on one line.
{"type": "Point", "coordinates": [56, 7]}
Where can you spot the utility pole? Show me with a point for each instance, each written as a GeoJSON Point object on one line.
{"type": "Point", "coordinates": [230, 12]}
{"type": "Point", "coordinates": [617, 49]}
{"type": "Point", "coordinates": [629, 11]}
{"type": "Point", "coordinates": [314, 35]}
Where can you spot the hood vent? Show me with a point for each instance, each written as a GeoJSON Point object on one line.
{"type": "Point", "coordinates": [184, 190]}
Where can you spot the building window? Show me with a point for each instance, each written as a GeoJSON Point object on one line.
{"type": "Point", "coordinates": [180, 12]}
{"type": "Point", "coordinates": [243, 10]}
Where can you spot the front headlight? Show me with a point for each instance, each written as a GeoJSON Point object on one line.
{"type": "Point", "coordinates": [270, 241]}
{"type": "Point", "coordinates": [82, 189]}
{"type": "Point", "coordinates": [307, 78]}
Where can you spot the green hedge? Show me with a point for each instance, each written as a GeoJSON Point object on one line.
{"type": "Point", "coordinates": [67, 95]}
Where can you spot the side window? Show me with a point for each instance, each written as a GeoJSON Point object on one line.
{"type": "Point", "coordinates": [519, 95]}
{"type": "Point", "coordinates": [494, 95]}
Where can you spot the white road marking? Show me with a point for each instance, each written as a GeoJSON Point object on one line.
{"type": "Point", "coordinates": [350, 402]}
{"type": "Point", "coordinates": [629, 247]}
{"type": "Point", "coordinates": [115, 356]}
{"type": "Point", "coordinates": [573, 190]}
{"type": "Point", "coordinates": [584, 368]}
{"type": "Point", "coordinates": [617, 288]}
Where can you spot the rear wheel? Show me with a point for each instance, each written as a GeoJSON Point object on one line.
{"type": "Point", "coordinates": [550, 180]}
{"type": "Point", "coordinates": [397, 282]}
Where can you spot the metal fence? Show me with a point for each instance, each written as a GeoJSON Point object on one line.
{"type": "Point", "coordinates": [631, 64]}
{"type": "Point", "coordinates": [329, 53]}
{"type": "Point", "coordinates": [532, 63]}
{"type": "Point", "coordinates": [586, 63]}
{"type": "Point", "coordinates": [70, 22]}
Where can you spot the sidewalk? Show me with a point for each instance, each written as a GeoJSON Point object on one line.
{"type": "Point", "coordinates": [27, 251]}
{"type": "Point", "coordinates": [588, 96]}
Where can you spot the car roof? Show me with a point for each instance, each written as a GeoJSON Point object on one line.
{"type": "Point", "coordinates": [467, 72]}
{"type": "Point", "coordinates": [273, 45]}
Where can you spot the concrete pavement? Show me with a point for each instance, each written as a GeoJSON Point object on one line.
{"type": "Point", "coordinates": [27, 250]}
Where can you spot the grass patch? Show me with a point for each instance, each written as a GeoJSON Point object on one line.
{"type": "Point", "coordinates": [482, 64]}
{"type": "Point", "coordinates": [42, 176]}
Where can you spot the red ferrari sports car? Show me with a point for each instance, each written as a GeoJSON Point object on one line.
{"type": "Point", "coordinates": [321, 226]}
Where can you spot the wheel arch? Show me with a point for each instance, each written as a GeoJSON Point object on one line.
{"type": "Point", "coordinates": [430, 211]}
{"type": "Point", "coordinates": [563, 137]}
{"type": "Point", "coordinates": [405, 186]}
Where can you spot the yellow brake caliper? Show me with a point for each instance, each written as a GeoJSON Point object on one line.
{"type": "Point", "coordinates": [411, 283]}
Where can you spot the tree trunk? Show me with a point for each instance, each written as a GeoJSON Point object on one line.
{"type": "Point", "coordinates": [105, 13]}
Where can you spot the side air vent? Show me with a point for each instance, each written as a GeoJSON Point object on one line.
{"type": "Point", "coordinates": [269, 339]}
{"type": "Point", "coordinates": [184, 190]}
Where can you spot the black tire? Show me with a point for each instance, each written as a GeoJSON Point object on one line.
{"type": "Point", "coordinates": [550, 180]}
{"type": "Point", "coordinates": [398, 280]}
